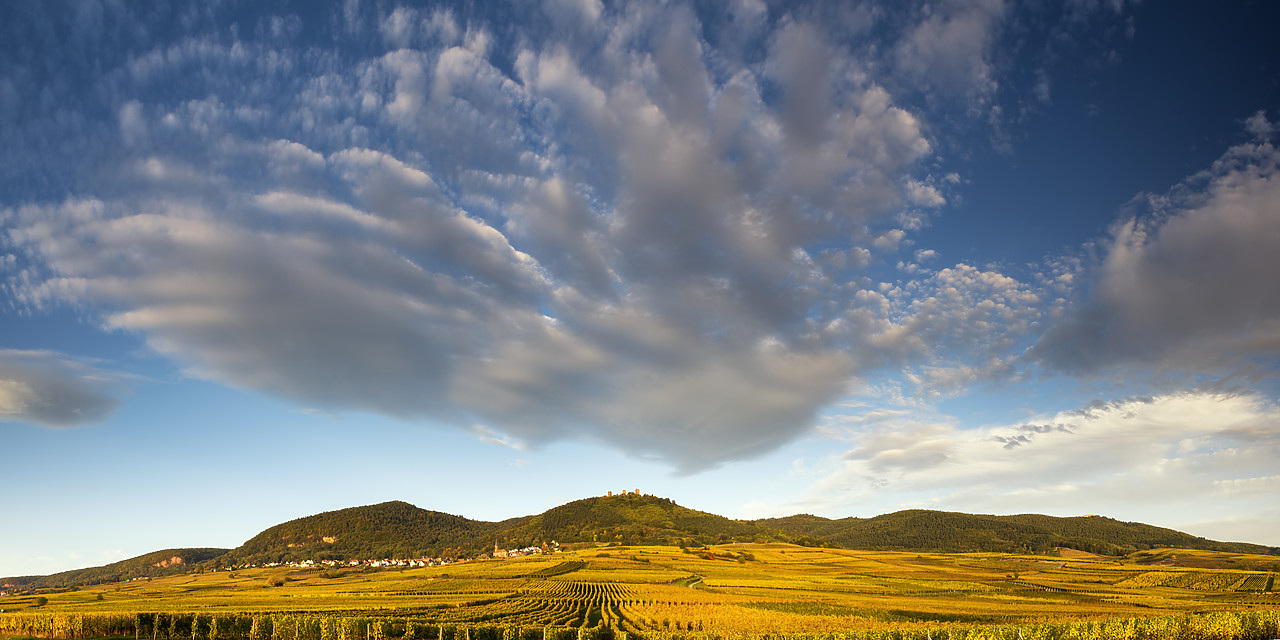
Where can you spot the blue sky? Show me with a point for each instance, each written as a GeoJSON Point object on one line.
{"type": "Point", "coordinates": [261, 260]}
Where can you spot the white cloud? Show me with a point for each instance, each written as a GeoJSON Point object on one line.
{"type": "Point", "coordinates": [291, 156]}
{"type": "Point", "coordinates": [960, 322]}
{"type": "Point", "coordinates": [950, 48]}
{"type": "Point", "coordinates": [410, 69]}
{"type": "Point", "coordinates": [924, 195]}
{"type": "Point", "coordinates": [889, 240]}
{"type": "Point", "coordinates": [400, 26]}
{"type": "Point", "coordinates": [1259, 126]}
{"type": "Point", "coordinates": [1175, 453]}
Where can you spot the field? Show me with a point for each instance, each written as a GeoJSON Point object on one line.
{"type": "Point", "coordinates": [740, 590]}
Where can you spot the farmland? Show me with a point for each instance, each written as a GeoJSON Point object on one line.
{"type": "Point", "coordinates": [741, 590]}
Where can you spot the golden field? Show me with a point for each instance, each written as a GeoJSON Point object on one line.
{"type": "Point", "coordinates": [738, 590]}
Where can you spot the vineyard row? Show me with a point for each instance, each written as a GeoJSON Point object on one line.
{"type": "Point", "coordinates": [1257, 625]}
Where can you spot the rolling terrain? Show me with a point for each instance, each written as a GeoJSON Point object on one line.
{"type": "Point", "coordinates": [941, 531]}
{"type": "Point", "coordinates": [742, 590]}
{"type": "Point", "coordinates": [401, 530]}
{"type": "Point", "coordinates": [156, 563]}
{"type": "Point", "coordinates": [387, 530]}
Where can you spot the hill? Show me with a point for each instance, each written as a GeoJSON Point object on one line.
{"type": "Point", "coordinates": [942, 531]}
{"type": "Point", "coordinates": [387, 530]}
{"type": "Point", "coordinates": [149, 565]}
{"type": "Point", "coordinates": [634, 519]}
{"type": "Point", "coordinates": [401, 530]}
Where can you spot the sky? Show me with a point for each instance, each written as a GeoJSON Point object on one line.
{"type": "Point", "coordinates": [263, 260]}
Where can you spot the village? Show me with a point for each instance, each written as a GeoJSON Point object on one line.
{"type": "Point", "coordinates": [498, 553]}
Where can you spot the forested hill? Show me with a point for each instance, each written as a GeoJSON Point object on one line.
{"type": "Point", "coordinates": [635, 519]}
{"type": "Point", "coordinates": [156, 563]}
{"type": "Point", "coordinates": [942, 531]}
{"type": "Point", "coordinates": [399, 530]}
{"type": "Point", "coordinates": [387, 530]}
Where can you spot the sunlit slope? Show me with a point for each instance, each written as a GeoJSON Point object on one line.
{"type": "Point", "coordinates": [735, 588]}
{"type": "Point", "coordinates": [387, 530]}
{"type": "Point", "coordinates": [941, 531]}
{"type": "Point", "coordinates": [635, 519]}
{"type": "Point", "coordinates": [401, 530]}
{"type": "Point", "coordinates": [156, 563]}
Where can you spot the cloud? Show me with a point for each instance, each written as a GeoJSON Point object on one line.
{"type": "Point", "coordinates": [1173, 450]}
{"type": "Point", "coordinates": [640, 225]}
{"type": "Point", "coordinates": [906, 447]}
{"type": "Point", "coordinates": [485, 434]}
{"type": "Point", "coordinates": [50, 390]}
{"type": "Point", "coordinates": [950, 48]}
{"type": "Point", "coordinates": [1259, 126]}
{"type": "Point", "coordinates": [1187, 285]}
{"type": "Point", "coordinates": [573, 14]}
{"type": "Point", "coordinates": [945, 329]}
{"type": "Point", "coordinates": [613, 233]}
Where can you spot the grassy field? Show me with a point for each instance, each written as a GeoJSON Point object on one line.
{"type": "Point", "coordinates": [736, 590]}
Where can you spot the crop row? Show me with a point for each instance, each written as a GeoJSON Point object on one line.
{"type": "Point", "coordinates": [1200, 581]}
{"type": "Point", "coordinates": [1257, 625]}
{"type": "Point", "coordinates": [181, 626]}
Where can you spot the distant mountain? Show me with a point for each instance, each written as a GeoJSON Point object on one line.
{"type": "Point", "coordinates": [942, 531]}
{"type": "Point", "coordinates": [154, 564]}
{"type": "Point", "coordinates": [401, 530]}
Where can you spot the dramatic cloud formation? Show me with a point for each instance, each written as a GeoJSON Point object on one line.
{"type": "Point", "coordinates": [617, 236]}
{"type": "Point", "coordinates": [674, 233]}
{"type": "Point", "coordinates": [844, 256]}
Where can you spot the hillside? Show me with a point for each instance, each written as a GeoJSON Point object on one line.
{"type": "Point", "coordinates": [387, 530]}
{"type": "Point", "coordinates": [154, 564]}
{"type": "Point", "coordinates": [743, 591]}
{"type": "Point", "coordinates": [633, 519]}
{"type": "Point", "coordinates": [942, 531]}
{"type": "Point", "coordinates": [401, 530]}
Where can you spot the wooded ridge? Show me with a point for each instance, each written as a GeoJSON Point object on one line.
{"type": "Point", "coordinates": [399, 530]}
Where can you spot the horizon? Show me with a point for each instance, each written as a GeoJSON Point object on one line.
{"type": "Point", "coordinates": [229, 549]}
{"type": "Point", "coordinates": [846, 259]}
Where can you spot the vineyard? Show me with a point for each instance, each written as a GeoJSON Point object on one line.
{"type": "Point", "coordinates": [161, 626]}
{"type": "Point", "coordinates": [662, 593]}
